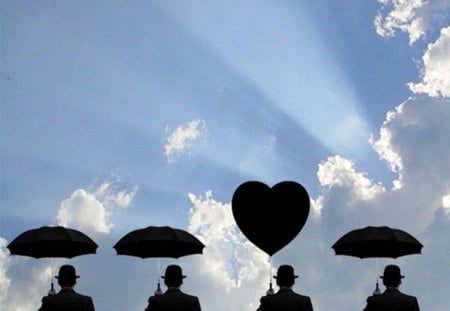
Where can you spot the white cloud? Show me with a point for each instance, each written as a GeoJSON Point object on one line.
{"type": "Point", "coordinates": [405, 15]}
{"type": "Point", "coordinates": [338, 171]}
{"type": "Point", "coordinates": [180, 140]}
{"type": "Point", "coordinates": [4, 261]}
{"type": "Point", "coordinates": [92, 210]}
{"type": "Point", "coordinates": [413, 17]}
{"type": "Point", "coordinates": [385, 148]}
{"type": "Point", "coordinates": [82, 210]}
{"type": "Point", "coordinates": [230, 261]}
{"type": "Point", "coordinates": [436, 67]}
{"type": "Point", "coordinates": [418, 136]}
{"type": "Point", "coordinates": [31, 280]}
{"type": "Point", "coordinates": [413, 140]}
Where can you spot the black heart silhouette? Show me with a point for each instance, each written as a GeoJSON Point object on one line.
{"type": "Point", "coordinates": [270, 217]}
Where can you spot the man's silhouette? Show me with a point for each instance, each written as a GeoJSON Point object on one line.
{"type": "Point", "coordinates": [285, 299]}
{"type": "Point", "coordinates": [392, 299]}
{"type": "Point", "coordinates": [173, 299]}
{"type": "Point", "coordinates": [67, 299]}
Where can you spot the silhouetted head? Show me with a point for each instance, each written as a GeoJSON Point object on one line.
{"type": "Point", "coordinates": [67, 276]}
{"type": "Point", "coordinates": [173, 276]}
{"type": "Point", "coordinates": [285, 276]}
{"type": "Point", "coordinates": [392, 276]}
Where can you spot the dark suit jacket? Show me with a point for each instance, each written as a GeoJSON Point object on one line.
{"type": "Point", "coordinates": [392, 300]}
{"type": "Point", "coordinates": [67, 300]}
{"type": "Point", "coordinates": [173, 300]}
{"type": "Point", "coordinates": [285, 300]}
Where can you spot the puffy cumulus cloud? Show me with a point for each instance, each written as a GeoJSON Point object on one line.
{"type": "Point", "coordinates": [31, 280]}
{"type": "Point", "coordinates": [180, 140]}
{"type": "Point", "coordinates": [82, 210]}
{"type": "Point", "coordinates": [384, 147]}
{"type": "Point", "coordinates": [338, 171]}
{"type": "Point", "coordinates": [4, 261]}
{"type": "Point", "coordinates": [92, 210]}
{"type": "Point", "coordinates": [418, 149]}
{"type": "Point", "coordinates": [414, 135]}
{"type": "Point", "coordinates": [413, 141]}
{"type": "Point", "coordinates": [416, 131]}
{"type": "Point", "coordinates": [235, 268]}
{"type": "Point", "coordinates": [405, 15]}
{"type": "Point", "coordinates": [436, 67]}
{"type": "Point", "coordinates": [419, 134]}
{"type": "Point", "coordinates": [414, 17]}
{"type": "Point", "coordinates": [348, 197]}
{"type": "Point", "coordinates": [87, 210]}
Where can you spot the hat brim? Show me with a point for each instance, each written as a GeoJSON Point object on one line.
{"type": "Point", "coordinates": [182, 276]}
{"type": "Point", "coordinates": [76, 276]}
{"type": "Point", "coordinates": [294, 276]}
{"type": "Point", "coordinates": [400, 276]}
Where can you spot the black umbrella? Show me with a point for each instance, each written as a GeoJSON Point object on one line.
{"type": "Point", "coordinates": [52, 242]}
{"type": "Point", "coordinates": [158, 242]}
{"type": "Point", "coordinates": [377, 242]}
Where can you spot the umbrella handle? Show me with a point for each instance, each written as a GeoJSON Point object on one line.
{"type": "Point", "coordinates": [52, 290]}
{"type": "Point", "coordinates": [270, 291]}
{"type": "Point", "coordinates": [158, 290]}
{"type": "Point", "coordinates": [377, 289]}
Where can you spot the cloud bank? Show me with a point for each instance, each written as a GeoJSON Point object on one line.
{"type": "Point", "coordinates": [230, 263]}
{"type": "Point", "coordinates": [92, 210]}
{"type": "Point", "coordinates": [412, 141]}
{"type": "Point", "coordinates": [414, 17]}
{"type": "Point", "coordinates": [435, 68]}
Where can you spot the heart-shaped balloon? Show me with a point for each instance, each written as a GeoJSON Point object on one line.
{"type": "Point", "coordinates": [270, 217]}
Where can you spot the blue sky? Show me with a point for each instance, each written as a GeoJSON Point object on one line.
{"type": "Point", "coordinates": [116, 116]}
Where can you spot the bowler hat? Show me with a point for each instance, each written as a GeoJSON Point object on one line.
{"type": "Point", "coordinates": [173, 272]}
{"type": "Point", "coordinates": [392, 272]}
{"type": "Point", "coordinates": [285, 272]}
{"type": "Point", "coordinates": [67, 272]}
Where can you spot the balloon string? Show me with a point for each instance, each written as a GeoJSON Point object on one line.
{"type": "Point", "coordinates": [270, 270]}
{"type": "Point", "coordinates": [270, 290]}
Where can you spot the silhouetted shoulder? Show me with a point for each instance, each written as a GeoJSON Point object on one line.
{"type": "Point", "coordinates": [285, 300]}
{"type": "Point", "coordinates": [392, 299]}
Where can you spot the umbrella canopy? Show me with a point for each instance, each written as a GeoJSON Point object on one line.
{"type": "Point", "coordinates": [52, 242]}
{"type": "Point", "coordinates": [377, 242]}
{"type": "Point", "coordinates": [158, 242]}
